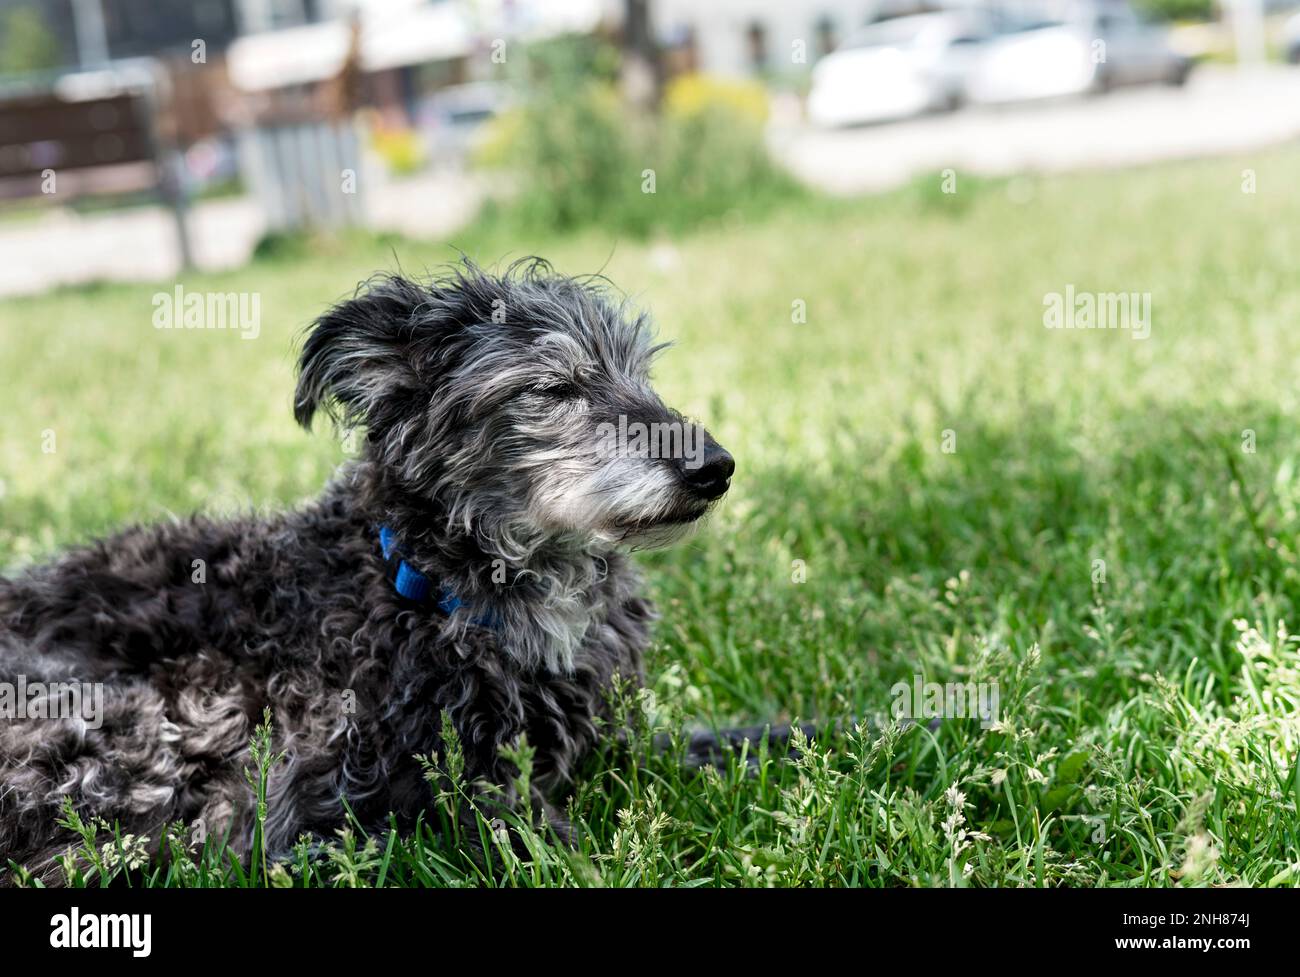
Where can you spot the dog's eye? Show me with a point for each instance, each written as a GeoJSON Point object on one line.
{"type": "Point", "coordinates": [557, 389]}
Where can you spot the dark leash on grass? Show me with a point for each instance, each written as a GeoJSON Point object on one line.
{"type": "Point", "coordinates": [714, 748]}
{"type": "Point", "coordinates": [711, 748]}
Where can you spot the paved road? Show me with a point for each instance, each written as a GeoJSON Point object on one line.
{"type": "Point", "coordinates": [1220, 111]}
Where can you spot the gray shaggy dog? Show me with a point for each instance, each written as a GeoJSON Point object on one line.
{"type": "Point", "coordinates": [499, 597]}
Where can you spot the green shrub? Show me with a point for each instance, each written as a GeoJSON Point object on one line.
{"type": "Point", "coordinates": [27, 43]}
{"type": "Point", "coordinates": [583, 157]}
{"type": "Point", "coordinates": [1177, 9]}
{"type": "Point", "coordinates": [577, 159]}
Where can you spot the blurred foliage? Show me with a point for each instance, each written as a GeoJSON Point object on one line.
{"type": "Point", "coordinates": [569, 61]}
{"type": "Point", "coordinates": [584, 157]}
{"type": "Point", "coordinates": [1176, 9]}
{"type": "Point", "coordinates": [402, 150]}
{"type": "Point", "coordinates": [689, 95]}
{"type": "Point", "coordinates": [26, 43]}
{"type": "Point", "coordinates": [323, 242]}
{"type": "Point", "coordinates": [501, 135]}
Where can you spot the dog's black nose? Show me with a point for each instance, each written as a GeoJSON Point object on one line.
{"type": "Point", "coordinates": [711, 477]}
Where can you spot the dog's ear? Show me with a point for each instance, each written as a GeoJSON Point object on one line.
{"type": "Point", "coordinates": [358, 359]}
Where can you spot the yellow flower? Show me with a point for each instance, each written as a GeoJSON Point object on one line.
{"type": "Point", "coordinates": [689, 95]}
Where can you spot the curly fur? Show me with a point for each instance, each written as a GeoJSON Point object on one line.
{"type": "Point", "coordinates": [479, 395]}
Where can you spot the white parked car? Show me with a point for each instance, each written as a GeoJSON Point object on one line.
{"type": "Point", "coordinates": [897, 68]}
{"type": "Point", "coordinates": [1093, 47]}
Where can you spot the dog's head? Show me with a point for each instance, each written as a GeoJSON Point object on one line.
{"type": "Point", "coordinates": [523, 399]}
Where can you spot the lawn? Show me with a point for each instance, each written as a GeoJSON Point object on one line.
{"type": "Point", "coordinates": [930, 484]}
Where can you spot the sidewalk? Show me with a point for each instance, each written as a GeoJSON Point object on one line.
{"type": "Point", "coordinates": [139, 243]}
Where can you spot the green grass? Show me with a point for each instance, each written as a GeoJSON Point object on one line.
{"type": "Point", "coordinates": [1145, 737]}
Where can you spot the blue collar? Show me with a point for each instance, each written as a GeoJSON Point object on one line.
{"type": "Point", "coordinates": [416, 586]}
{"type": "Point", "coordinates": [407, 581]}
